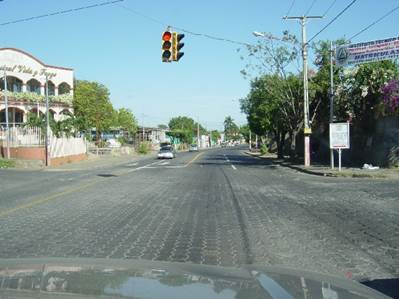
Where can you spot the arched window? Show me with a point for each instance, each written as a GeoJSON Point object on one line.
{"type": "Point", "coordinates": [51, 88]}
{"type": "Point", "coordinates": [64, 88]}
{"type": "Point", "coordinates": [52, 114]}
{"type": "Point", "coordinates": [33, 86]}
{"type": "Point", "coordinates": [13, 84]}
{"type": "Point", "coordinates": [15, 115]}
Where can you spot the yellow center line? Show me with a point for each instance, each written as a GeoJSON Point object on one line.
{"type": "Point", "coordinates": [41, 200]}
{"type": "Point", "coordinates": [195, 158]}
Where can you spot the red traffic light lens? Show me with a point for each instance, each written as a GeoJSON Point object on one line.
{"type": "Point", "coordinates": [166, 36]}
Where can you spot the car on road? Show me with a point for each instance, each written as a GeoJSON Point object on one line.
{"type": "Point", "coordinates": [166, 153]}
{"type": "Point", "coordinates": [193, 148]}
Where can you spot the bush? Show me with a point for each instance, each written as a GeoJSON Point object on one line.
{"type": "Point", "coordinates": [263, 149]}
{"type": "Point", "coordinates": [144, 148]}
{"type": "Point", "coordinates": [6, 163]}
{"type": "Point", "coordinates": [122, 140]}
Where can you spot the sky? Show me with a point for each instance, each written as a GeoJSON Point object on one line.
{"type": "Point", "coordinates": [121, 49]}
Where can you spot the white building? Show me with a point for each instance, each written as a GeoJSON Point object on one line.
{"type": "Point", "coordinates": [26, 78]}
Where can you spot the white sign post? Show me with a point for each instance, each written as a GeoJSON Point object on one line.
{"type": "Point", "coordinates": [339, 139]}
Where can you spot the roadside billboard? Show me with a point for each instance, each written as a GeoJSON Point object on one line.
{"type": "Point", "coordinates": [377, 50]}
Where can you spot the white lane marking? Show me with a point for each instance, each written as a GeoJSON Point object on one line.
{"type": "Point", "coordinates": [233, 167]}
{"type": "Point", "coordinates": [132, 164]}
{"type": "Point", "coordinates": [145, 166]}
{"type": "Point", "coordinates": [164, 163]}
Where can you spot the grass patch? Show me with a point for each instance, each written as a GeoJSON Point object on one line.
{"type": "Point", "coordinates": [6, 163]}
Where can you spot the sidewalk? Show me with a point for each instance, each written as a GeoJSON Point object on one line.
{"type": "Point", "coordinates": [94, 162]}
{"type": "Point", "coordinates": [323, 170]}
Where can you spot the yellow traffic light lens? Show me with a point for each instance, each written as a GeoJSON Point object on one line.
{"type": "Point", "coordinates": [166, 45]}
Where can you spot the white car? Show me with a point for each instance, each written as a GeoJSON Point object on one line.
{"type": "Point", "coordinates": [165, 154]}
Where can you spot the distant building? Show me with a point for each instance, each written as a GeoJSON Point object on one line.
{"type": "Point", "coordinates": [153, 135]}
{"type": "Point", "coordinates": [26, 78]}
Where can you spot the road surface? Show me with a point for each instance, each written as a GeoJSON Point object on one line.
{"type": "Point", "coordinates": [219, 207]}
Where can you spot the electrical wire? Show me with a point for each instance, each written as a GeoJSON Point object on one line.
{"type": "Point", "coordinates": [310, 7]}
{"type": "Point", "coordinates": [60, 12]}
{"type": "Point", "coordinates": [375, 22]}
{"type": "Point", "coordinates": [328, 9]}
{"type": "Point", "coordinates": [183, 29]}
{"type": "Point", "coordinates": [333, 20]}
{"type": "Point", "coordinates": [290, 8]}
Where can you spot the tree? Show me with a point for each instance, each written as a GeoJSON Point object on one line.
{"type": "Point", "coordinates": [275, 103]}
{"type": "Point", "coordinates": [127, 121]}
{"type": "Point", "coordinates": [215, 136]}
{"type": "Point", "coordinates": [184, 128]}
{"type": "Point", "coordinates": [92, 104]}
{"type": "Point", "coordinates": [231, 130]}
{"type": "Point", "coordinates": [162, 127]}
{"type": "Point", "coordinates": [244, 132]}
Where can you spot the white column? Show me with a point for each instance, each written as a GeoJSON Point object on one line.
{"type": "Point", "coordinates": [42, 89]}
{"type": "Point", "coordinates": [56, 91]}
{"type": "Point", "coordinates": [24, 87]}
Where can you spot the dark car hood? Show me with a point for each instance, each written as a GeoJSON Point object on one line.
{"type": "Point", "coordinates": [109, 278]}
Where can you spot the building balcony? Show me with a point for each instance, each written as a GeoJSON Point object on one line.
{"type": "Point", "coordinates": [33, 97]}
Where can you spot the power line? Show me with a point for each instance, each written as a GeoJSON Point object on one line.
{"type": "Point", "coordinates": [143, 15]}
{"type": "Point", "coordinates": [333, 20]}
{"type": "Point", "coordinates": [290, 8]}
{"type": "Point", "coordinates": [375, 22]}
{"type": "Point", "coordinates": [310, 7]}
{"type": "Point", "coordinates": [60, 12]}
{"type": "Point", "coordinates": [213, 37]}
{"type": "Point", "coordinates": [328, 9]}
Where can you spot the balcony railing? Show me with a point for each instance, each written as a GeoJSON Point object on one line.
{"type": "Point", "coordinates": [34, 97]}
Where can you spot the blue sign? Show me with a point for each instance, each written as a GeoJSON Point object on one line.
{"type": "Point", "coordinates": [377, 50]}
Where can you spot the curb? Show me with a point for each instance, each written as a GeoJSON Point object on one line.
{"type": "Point", "coordinates": [324, 174]}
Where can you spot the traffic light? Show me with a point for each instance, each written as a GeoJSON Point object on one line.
{"type": "Point", "coordinates": [176, 46]}
{"type": "Point", "coordinates": [166, 46]}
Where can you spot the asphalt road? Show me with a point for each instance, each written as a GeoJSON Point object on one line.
{"type": "Point", "coordinates": [218, 207]}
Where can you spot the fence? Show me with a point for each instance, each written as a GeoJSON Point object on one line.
{"type": "Point", "coordinates": [62, 147]}
{"type": "Point", "coordinates": [23, 137]}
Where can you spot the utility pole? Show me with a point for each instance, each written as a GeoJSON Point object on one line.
{"type": "Point", "coordinates": [331, 98]}
{"type": "Point", "coordinates": [250, 140]}
{"type": "Point", "coordinates": [6, 112]}
{"type": "Point", "coordinates": [198, 134]}
{"type": "Point", "coordinates": [307, 129]}
{"type": "Point", "coordinates": [47, 124]}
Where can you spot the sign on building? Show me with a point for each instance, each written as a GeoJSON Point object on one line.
{"type": "Point", "coordinates": [339, 135]}
{"type": "Point", "coordinates": [383, 49]}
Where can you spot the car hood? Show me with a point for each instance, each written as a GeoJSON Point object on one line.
{"type": "Point", "coordinates": [109, 278]}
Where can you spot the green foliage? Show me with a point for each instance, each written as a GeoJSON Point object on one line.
{"type": "Point", "coordinates": [184, 128]}
{"type": "Point", "coordinates": [6, 163]}
{"type": "Point", "coordinates": [215, 136]}
{"type": "Point", "coordinates": [126, 120]}
{"type": "Point", "coordinates": [162, 126]}
{"type": "Point", "coordinates": [91, 102]}
{"type": "Point", "coordinates": [231, 130]}
{"type": "Point", "coordinates": [34, 97]}
{"type": "Point", "coordinates": [144, 148]}
{"type": "Point", "coordinates": [263, 149]}
{"type": "Point", "coordinates": [122, 140]}
{"type": "Point", "coordinates": [244, 132]}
